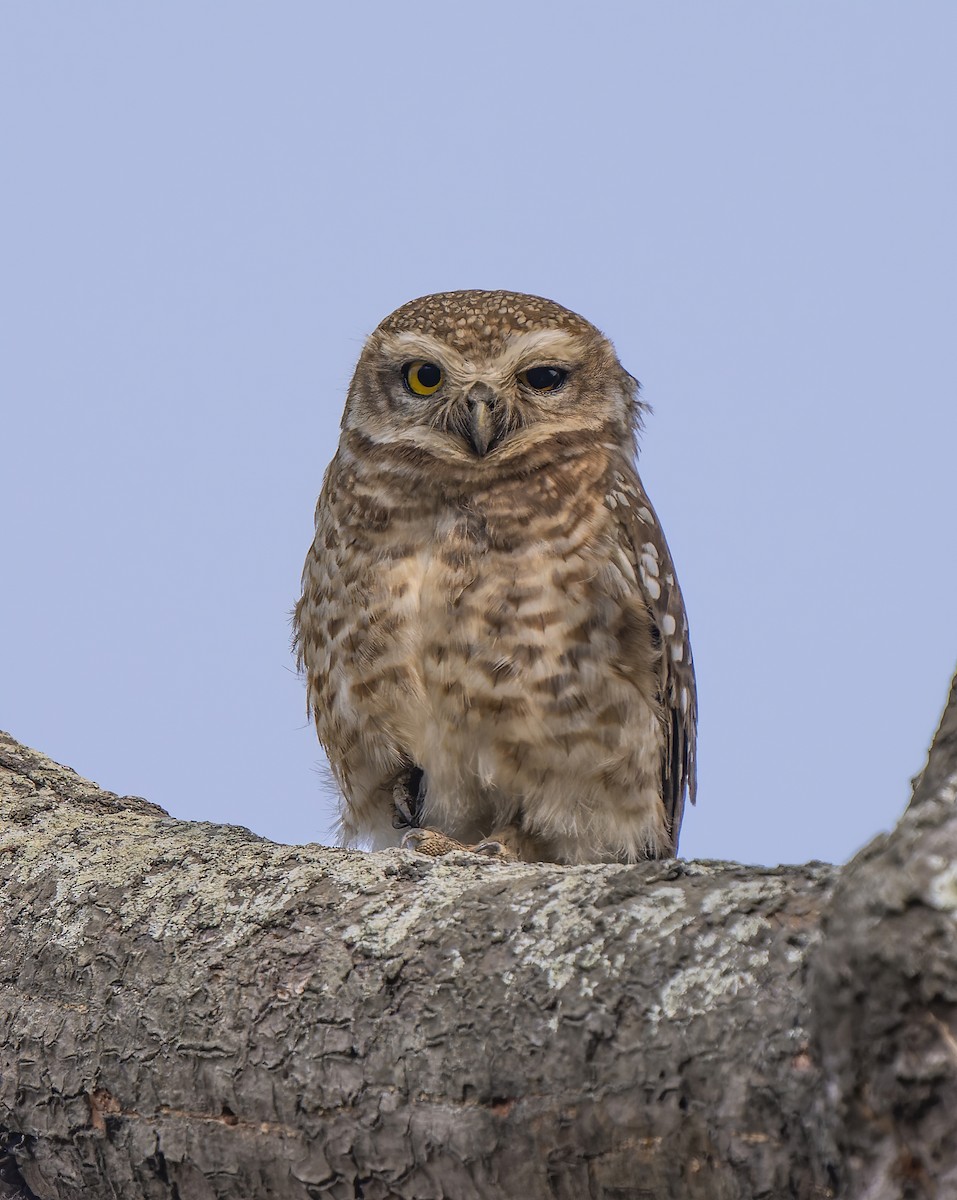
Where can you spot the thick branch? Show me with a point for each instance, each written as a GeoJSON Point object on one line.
{"type": "Point", "coordinates": [188, 1010]}
{"type": "Point", "coordinates": [883, 991]}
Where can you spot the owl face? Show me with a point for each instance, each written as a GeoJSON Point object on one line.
{"type": "Point", "coordinates": [479, 377]}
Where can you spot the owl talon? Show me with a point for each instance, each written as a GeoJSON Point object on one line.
{"type": "Point", "coordinates": [493, 849]}
{"type": "Point", "coordinates": [408, 793]}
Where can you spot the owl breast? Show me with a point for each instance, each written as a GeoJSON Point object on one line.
{"type": "Point", "coordinates": [499, 659]}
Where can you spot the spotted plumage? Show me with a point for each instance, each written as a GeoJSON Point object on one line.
{"type": "Point", "coordinates": [490, 622]}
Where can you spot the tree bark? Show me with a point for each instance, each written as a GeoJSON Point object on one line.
{"type": "Point", "coordinates": [188, 1011]}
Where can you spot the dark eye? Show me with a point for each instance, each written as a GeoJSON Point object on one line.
{"type": "Point", "coordinates": [422, 378]}
{"type": "Point", "coordinates": [543, 379]}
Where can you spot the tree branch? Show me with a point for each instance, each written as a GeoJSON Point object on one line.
{"type": "Point", "coordinates": [188, 1010]}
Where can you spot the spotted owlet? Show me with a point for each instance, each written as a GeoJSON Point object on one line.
{"type": "Point", "coordinates": [494, 641]}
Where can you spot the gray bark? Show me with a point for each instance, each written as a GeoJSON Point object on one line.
{"type": "Point", "coordinates": [188, 1011]}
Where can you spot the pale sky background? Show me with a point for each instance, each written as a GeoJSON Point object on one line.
{"type": "Point", "coordinates": [205, 207]}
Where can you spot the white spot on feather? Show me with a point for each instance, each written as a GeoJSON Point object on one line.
{"type": "Point", "coordinates": [623, 563]}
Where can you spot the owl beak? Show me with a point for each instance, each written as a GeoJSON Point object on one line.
{"type": "Point", "coordinates": [481, 427]}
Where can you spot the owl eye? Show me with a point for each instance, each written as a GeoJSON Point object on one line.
{"type": "Point", "coordinates": [422, 378]}
{"type": "Point", "coordinates": [543, 379]}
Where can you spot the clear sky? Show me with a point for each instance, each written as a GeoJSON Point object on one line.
{"type": "Point", "coordinates": [206, 207]}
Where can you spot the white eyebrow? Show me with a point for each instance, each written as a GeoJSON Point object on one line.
{"type": "Point", "coordinates": [543, 343]}
{"type": "Point", "coordinates": [420, 345]}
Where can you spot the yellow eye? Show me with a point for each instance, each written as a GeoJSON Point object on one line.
{"type": "Point", "coordinates": [422, 378]}
{"type": "Point", "coordinates": [543, 379]}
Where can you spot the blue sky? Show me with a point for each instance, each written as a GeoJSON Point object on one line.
{"type": "Point", "coordinates": [207, 207]}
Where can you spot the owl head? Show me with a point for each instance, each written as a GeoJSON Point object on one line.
{"type": "Point", "coordinates": [479, 378]}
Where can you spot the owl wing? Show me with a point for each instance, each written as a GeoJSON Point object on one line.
{"type": "Point", "coordinates": [642, 541]}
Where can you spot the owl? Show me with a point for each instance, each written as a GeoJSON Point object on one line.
{"type": "Point", "coordinates": [493, 638]}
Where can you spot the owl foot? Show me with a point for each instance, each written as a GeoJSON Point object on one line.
{"type": "Point", "coordinates": [435, 843]}
{"type": "Point", "coordinates": [408, 792]}
{"type": "Point", "coordinates": [430, 842]}
{"type": "Point", "coordinates": [492, 848]}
